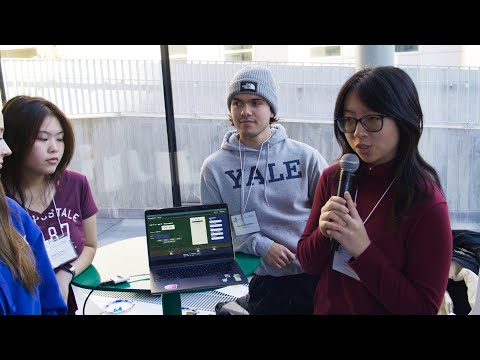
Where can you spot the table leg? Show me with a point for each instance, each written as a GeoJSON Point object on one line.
{"type": "Point", "coordinates": [171, 304]}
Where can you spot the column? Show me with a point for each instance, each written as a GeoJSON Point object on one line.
{"type": "Point", "coordinates": [374, 55]}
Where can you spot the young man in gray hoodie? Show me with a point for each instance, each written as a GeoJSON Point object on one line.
{"type": "Point", "coordinates": [268, 182]}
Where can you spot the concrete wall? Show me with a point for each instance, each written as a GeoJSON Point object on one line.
{"type": "Point", "coordinates": [127, 163]}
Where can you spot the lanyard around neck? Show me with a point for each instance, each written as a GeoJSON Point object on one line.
{"type": "Point", "coordinates": [243, 205]}
{"type": "Point", "coordinates": [55, 207]}
{"type": "Point", "coordinates": [378, 202]}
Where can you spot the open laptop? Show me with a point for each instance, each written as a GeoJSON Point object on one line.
{"type": "Point", "coordinates": [190, 247]}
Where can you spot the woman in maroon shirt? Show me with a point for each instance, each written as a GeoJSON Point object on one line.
{"type": "Point", "coordinates": [393, 228]}
{"type": "Point", "coordinates": [58, 200]}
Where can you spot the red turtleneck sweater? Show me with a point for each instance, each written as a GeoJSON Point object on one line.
{"type": "Point", "coordinates": [403, 271]}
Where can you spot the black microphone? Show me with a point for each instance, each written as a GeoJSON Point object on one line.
{"type": "Point", "coordinates": [349, 163]}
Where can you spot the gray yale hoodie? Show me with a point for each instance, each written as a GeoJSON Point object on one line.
{"type": "Point", "coordinates": [281, 191]}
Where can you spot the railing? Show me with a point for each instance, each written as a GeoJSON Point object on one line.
{"type": "Point", "coordinates": [122, 101]}
{"type": "Point", "coordinates": [449, 95]}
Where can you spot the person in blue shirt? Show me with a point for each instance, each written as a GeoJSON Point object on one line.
{"type": "Point", "coordinates": [27, 282]}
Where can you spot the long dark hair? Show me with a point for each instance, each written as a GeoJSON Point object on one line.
{"type": "Point", "coordinates": [390, 91]}
{"type": "Point", "coordinates": [23, 117]}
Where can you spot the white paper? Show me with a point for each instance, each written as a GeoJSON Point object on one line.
{"type": "Point", "coordinates": [340, 263]}
{"type": "Point", "coordinates": [60, 250]}
{"type": "Point", "coordinates": [245, 224]}
{"type": "Point", "coordinates": [234, 290]}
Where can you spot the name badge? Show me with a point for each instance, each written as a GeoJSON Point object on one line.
{"type": "Point", "coordinates": [340, 263]}
{"type": "Point", "coordinates": [60, 250]}
{"type": "Point", "coordinates": [246, 224]}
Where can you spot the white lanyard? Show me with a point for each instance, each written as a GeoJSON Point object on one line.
{"type": "Point", "coordinates": [378, 202]}
{"type": "Point", "coordinates": [55, 207]}
{"type": "Point", "coordinates": [243, 205]}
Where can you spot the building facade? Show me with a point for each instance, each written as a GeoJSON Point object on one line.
{"type": "Point", "coordinates": [429, 55]}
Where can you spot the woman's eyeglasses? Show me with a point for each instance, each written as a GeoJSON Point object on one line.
{"type": "Point", "coordinates": [372, 123]}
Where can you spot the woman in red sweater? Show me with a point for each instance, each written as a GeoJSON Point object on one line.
{"type": "Point", "coordinates": [393, 228]}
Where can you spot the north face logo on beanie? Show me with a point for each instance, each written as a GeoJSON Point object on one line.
{"type": "Point", "coordinates": [248, 86]}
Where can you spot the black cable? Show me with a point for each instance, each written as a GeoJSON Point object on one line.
{"type": "Point", "coordinates": [105, 283]}
{"type": "Point", "coordinates": [109, 282]}
{"type": "Point", "coordinates": [85, 303]}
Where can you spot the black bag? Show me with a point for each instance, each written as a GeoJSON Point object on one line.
{"type": "Point", "coordinates": [466, 249]}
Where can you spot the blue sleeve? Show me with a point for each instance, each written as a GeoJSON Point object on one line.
{"type": "Point", "coordinates": [50, 297]}
{"type": "Point", "coordinates": [51, 300]}
{"type": "Point", "coordinates": [3, 311]}
{"type": "Point", "coordinates": [3, 298]}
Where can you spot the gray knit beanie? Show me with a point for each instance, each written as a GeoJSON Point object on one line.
{"type": "Point", "coordinates": [254, 79]}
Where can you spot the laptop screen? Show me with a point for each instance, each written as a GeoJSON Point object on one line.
{"type": "Point", "coordinates": [188, 233]}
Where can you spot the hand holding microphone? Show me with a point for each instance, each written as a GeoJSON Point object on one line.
{"type": "Point", "coordinates": [349, 163]}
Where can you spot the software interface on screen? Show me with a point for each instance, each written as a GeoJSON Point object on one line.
{"type": "Point", "coordinates": [180, 235]}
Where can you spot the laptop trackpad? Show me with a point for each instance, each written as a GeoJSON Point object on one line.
{"type": "Point", "coordinates": [201, 282]}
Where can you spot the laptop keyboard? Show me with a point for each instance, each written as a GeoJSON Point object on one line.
{"type": "Point", "coordinates": [194, 271]}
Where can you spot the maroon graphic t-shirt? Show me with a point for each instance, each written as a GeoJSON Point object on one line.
{"type": "Point", "coordinates": [74, 203]}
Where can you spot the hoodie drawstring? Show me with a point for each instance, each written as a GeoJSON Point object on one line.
{"type": "Point", "coordinates": [266, 169]}
{"type": "Point", "coordinates": [244, 202]}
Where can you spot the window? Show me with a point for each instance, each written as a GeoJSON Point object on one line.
{"type": "Point", "coordinates": [178, 51]}
{"type": "Point", "coordinates": [238, 52]}
{"type": "Point", "coordinates": [406, 48]}
{"type": "Point", "coordinates": [322, 51]}
{"type": "Point", "coordinates": [237, 47]}
{"type": "Point", "coordinates": [239, 57]}
{"type": "Point", "coordinates": [19, 53]}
